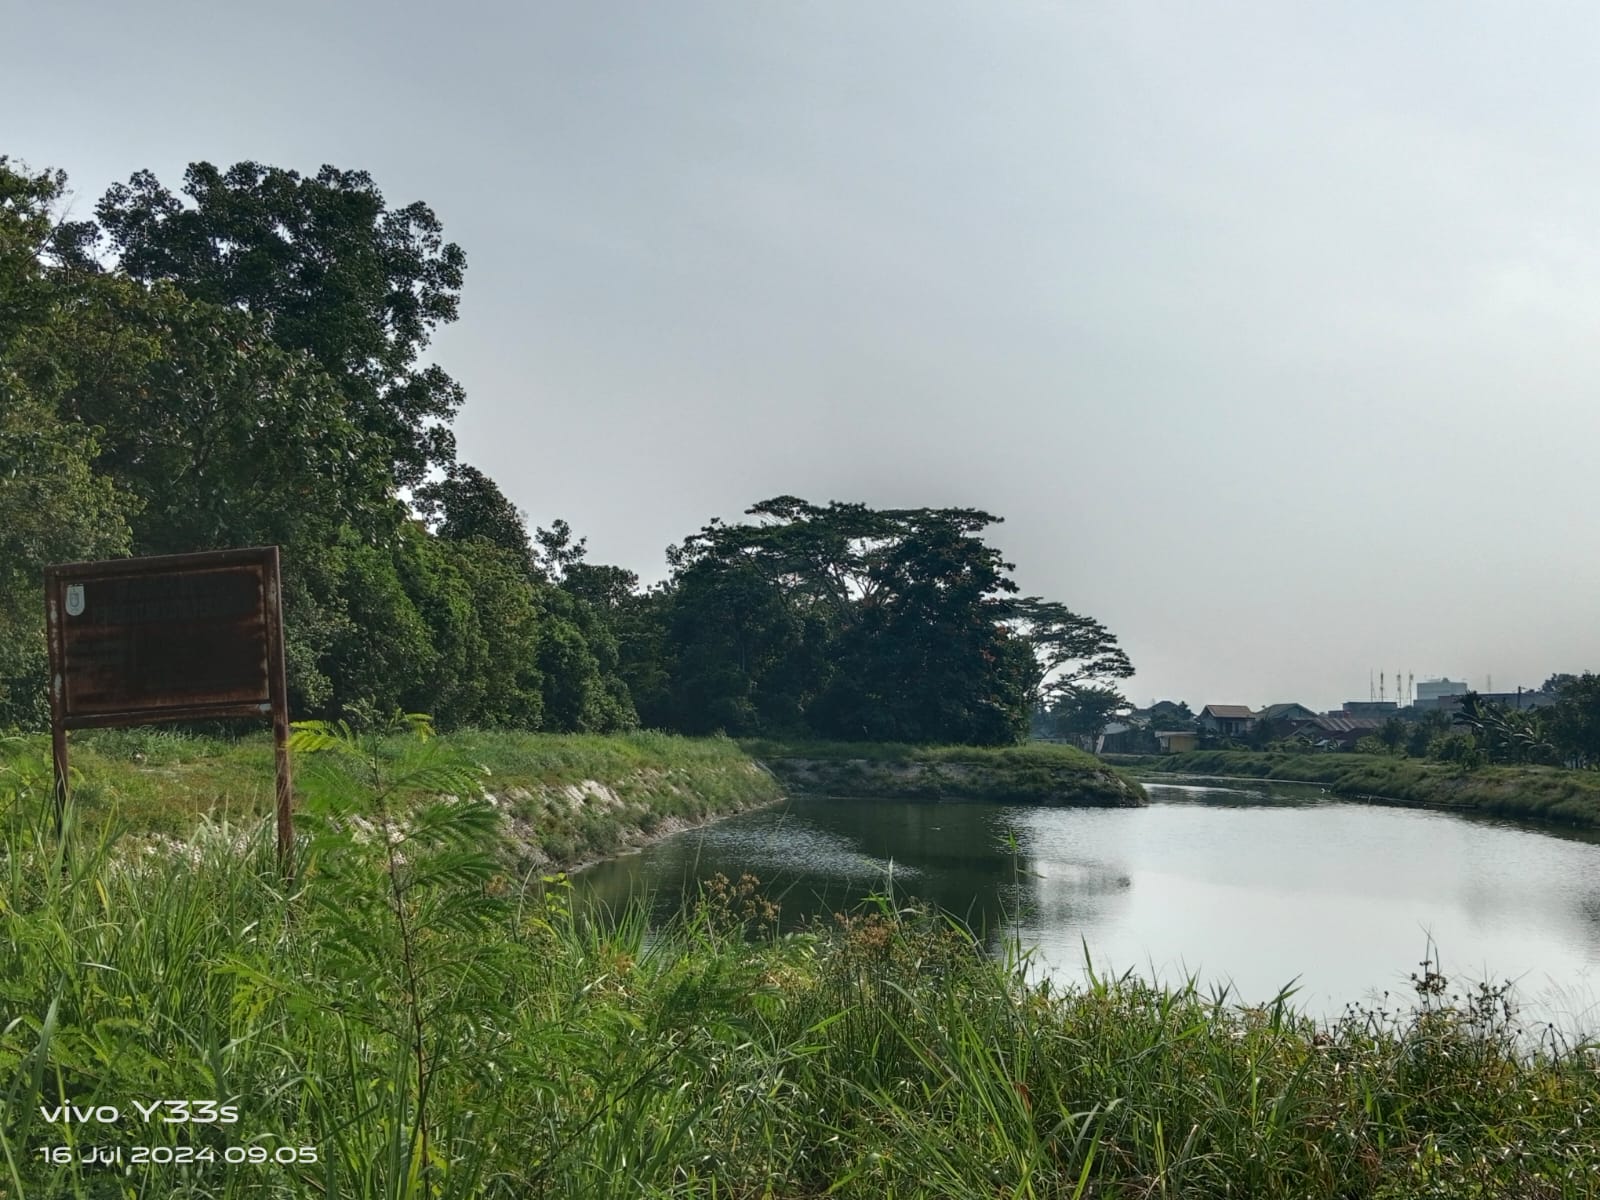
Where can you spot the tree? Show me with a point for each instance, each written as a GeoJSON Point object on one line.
{"type": "Point", "coordinates": [1506, 735]}
{"type": "Point", "coordinates": [1426, 730]}
{"type": "Point", "coordinates": [1071, 651]}
{"type": "Point", "coordinates": [328, 269]}
{"type": "Point", "coordinates": [1556, 683]}
{"type": "Point", "coordinates": [225, 438]}
{"type": "Point", "coordinates": [54, 505]}
{"type": "Point", "coordinates": [53, 508]}
{"type": "Point", "coordinates": [557, 551]}
{"type": "Point", "coordinates": [1574, 721]}
{"type": "Point", "coordinates": [851, 622]}
{"type": "Point", "coordinates": [512, 682]}
{"type": "Point", "coordinates": [467, 504]}
{"type": "Point", "coordinates": [1083, 713]}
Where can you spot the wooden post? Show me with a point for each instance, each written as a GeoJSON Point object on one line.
{"type": "Point", "coordinates": [278, 682]}
{"type": "Point", "coordinates": [58, 684]}
{"type": "Point", "coordinates": [58, 752]}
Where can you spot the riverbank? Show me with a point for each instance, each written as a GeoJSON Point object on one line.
{"type": "Point", "coordinates": [567, 800]}
{"type": "Point", "coordinates": [455, 1031]}
{"type": "Point", "coordinates": [1524, 792]}
{"type": "Point", "coordinates": [406, 1017]}
{"type": "Point", "coordinates": [564, 799]}
{"type": "Point", "coordinates": [1047, 775]}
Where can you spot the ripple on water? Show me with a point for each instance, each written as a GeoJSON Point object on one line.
{"type": "Point", "coordinates": [777, 847]}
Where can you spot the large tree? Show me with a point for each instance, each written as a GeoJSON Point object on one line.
{"type": "Point", "coordinates": [328, 268]}
{"type": "Point", "coordinates": [851, 622]}
{"type": "Point", "coordinates": [54, 505]}
{"type": "Point", "coordinates": [1072, 652]}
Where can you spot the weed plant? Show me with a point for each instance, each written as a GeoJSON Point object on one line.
{"type": "Point", "coordinates": [431, 1026]}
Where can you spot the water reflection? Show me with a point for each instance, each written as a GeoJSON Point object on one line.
{"type": "Point", "coordinates": [1253, 886]}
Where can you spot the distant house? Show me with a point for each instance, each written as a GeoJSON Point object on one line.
{"type": "Point", "coordinates": [1285, 712]}
{"type": "Point", "coordinates": [1230, 720]}
{"type": "Point", "coordinates": [1123, 737]}
{"type": "Point", "coordinates": [1337, 732]}
{"type": "Point", "coordinates": [1368, 708]}
{"type": "Point", "coordinates": [1176, 741]}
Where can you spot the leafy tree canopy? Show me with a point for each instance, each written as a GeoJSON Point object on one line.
{"type": "Point", "coordinates": [466, 503]}
{"type": "Point", "coordinates": [327, 267]}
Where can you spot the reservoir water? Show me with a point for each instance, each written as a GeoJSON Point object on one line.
{"type": "Point", "coordinates": [1254, 885]}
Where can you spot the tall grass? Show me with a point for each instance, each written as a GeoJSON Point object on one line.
{"type": "Point", "coordinates": [435, 1027]}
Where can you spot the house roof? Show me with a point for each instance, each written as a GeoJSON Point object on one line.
{"type": "Point", "coordinates": [1273, 711]}
{"type": "Point", "coordinates": [1346, 724]}
{"type": "Point", "coordinates": [1233, 711]}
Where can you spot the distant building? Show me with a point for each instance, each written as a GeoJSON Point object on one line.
{"type": "Point", "coordinates": [1125, 737]}
{"type": "Point", "coordinates": [1230, 720]}
{"type": "Point", "coordinates": [1337, 732]}
{"type": "Point", "coordinates": [1437, 689]}
{"type": "Point", "coordinates": [1285, 712]}
{"type": "Point", "coordinates": [1176, 741]}
{"type": "Point", "coordinates": [1368, 708]}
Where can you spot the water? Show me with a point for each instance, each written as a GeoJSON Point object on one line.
{"type": "Point", "coordinates": [1254, 886]}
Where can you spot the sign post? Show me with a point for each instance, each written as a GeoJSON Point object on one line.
{"type": "Point", "coordinates": [182, 637]}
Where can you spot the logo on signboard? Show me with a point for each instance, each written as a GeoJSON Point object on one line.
{"type": "Point", "coordinates": [74, 599]}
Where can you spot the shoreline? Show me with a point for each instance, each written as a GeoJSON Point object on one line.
{"type": "Point", "coordinates": [1539, 795]}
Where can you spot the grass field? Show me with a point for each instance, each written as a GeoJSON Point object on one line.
{"type": "Point", "coordinates": [1536, 793]}
{"type": "Point", "coordinates": [402, 1017]}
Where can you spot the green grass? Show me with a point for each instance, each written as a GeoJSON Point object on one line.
{"type": "Point", "coordinates": [435, 1027]}
{"type": "Point", "coordinates": [160, 782]}
{"type": "Point", "coordinates": [1537, 793]}
{"type": "Point", "coordinates": [1032, 773]}
{"type": "Point", "coordinates": [1050, 753]}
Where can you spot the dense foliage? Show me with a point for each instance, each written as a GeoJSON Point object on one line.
{"type": "Point", "coordinates": [241, 363]}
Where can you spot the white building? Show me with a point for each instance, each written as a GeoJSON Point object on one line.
{"type": "Point", "coordinates": [1437, 689]}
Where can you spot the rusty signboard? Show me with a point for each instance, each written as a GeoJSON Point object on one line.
{"type": "Point", "coordinates": [181, 637]}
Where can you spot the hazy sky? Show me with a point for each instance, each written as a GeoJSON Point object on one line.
{"type": "Point", "coordinates": [1270, 329]}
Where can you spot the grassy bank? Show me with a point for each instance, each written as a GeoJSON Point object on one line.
{"type": "Point", "coordinates": [1033, 773]}
{"type": "Point", "coordinates": [423, 1025]}
{"type": "Point", "coordinates": [565, 798]}
{"type": "Point", "coordinates": [1537, 793]}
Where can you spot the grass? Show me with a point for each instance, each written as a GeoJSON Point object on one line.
{"type": "Point", "coordinates": [430, 1026]}
{"type": "Point", "coordinates": [1050, 753]}
{"type": "Point", "coordinates": [1526, 792]}
{"type": "Point", "coordinates": [158, 781]}
{"type": "Point", "coordinates": [1032, 773]}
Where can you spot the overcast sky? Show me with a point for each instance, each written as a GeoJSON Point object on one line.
{"type": "Point", "coordinates": [1270, 329]}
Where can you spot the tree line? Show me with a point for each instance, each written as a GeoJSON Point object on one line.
{"type": "Point", "coordinates": [241, 362]}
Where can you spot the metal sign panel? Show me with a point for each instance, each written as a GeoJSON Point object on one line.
{"type": "Point", "coordinates": [157, 639]}
{"type": "Point", "coordinates": [177, 638]}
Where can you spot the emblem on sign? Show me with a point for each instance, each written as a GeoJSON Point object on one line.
{"type": "Point", "coordinates": [74, 599]}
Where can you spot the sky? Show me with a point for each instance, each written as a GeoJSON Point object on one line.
{"type": "Point", "coordinates": [1269, 330]}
